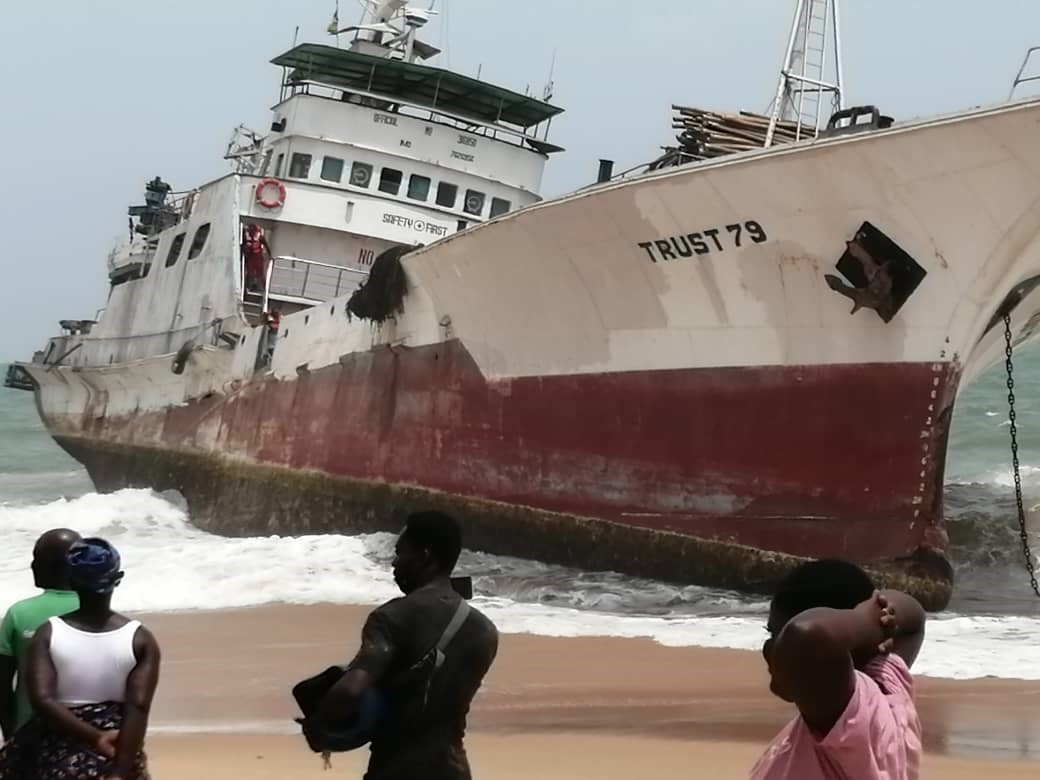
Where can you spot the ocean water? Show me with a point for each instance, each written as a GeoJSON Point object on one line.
{"type": "Point", "coordinates": [991, 628]}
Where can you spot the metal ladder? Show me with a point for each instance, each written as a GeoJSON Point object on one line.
{"type": "Point", "coordinates": [813, 50]}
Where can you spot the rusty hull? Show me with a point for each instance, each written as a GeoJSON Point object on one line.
{"type": "Point", "coordinates": [239, 498]}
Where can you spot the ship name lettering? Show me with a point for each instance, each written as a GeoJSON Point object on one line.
{"type": "Point", "coordinates": [704, 242]}
{"type": "Point", "coordinates": [465, 140]}
{"type": "Point", "coordinates": [383, 119]}
{"type": "Point", "coordinates": [462, 156]}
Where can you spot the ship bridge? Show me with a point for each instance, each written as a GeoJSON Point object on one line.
{"type": "Point", "coordinates": [444, 93]}
{"type": "Point", "coordinates": [379, 108]}
{"type": "Point", "coordinates": [374, 149]}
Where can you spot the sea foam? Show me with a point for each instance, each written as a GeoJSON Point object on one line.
{"type": "Point", "coordinates": [173, 566]}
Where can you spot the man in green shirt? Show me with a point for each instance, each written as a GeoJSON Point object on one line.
{"type": "Point", "coordinates": [50, 573]}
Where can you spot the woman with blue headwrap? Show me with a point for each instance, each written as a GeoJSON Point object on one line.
{"type": "Point", "coordinates": [92, 675]}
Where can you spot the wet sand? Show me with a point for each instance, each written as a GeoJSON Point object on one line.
{"type": "Point", "coordinates": [574, 708]}
{"type": "Point", "coordinates": [565, 756]}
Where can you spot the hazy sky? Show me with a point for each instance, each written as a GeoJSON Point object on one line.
{"type": "Point", "coordinates": [103, 95]}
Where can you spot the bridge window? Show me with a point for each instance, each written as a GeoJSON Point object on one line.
{"type": "Point", "coordinates": [278, 165]}
{"type": "Point", "coordinates": [390, 181]}
{"type": "Point", "coordinates": [332, 169]}
{"type": "Point", "coordinates": [418, 187]}
{"type": "Point", "coordinates": [474, 202]}
{"type": "Point", "coordinates": [175, 249]}
{"type": "Point", "coordinates": [447, 194]}
{"type": "Point", "coordinates": [361, 174]}
{"type": "Point", "coordinates": [499, 206]}
{"type": "Point", "coordinates": [199, 241]}
{"type": "Point", "coordinates": [300, 167]}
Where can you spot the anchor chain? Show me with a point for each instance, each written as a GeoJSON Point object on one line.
{"type": "Point", "coordinates": [1009, 365]}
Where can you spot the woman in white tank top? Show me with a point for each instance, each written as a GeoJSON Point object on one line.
{"type": "Point", "coordinates": [92, 675]}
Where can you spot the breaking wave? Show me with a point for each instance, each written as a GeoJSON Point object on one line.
{"type": "Point", "coordinates": [173, 566]}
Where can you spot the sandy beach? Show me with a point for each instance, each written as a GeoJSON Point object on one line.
{"type": "Point", "coordinates": [551, 707]}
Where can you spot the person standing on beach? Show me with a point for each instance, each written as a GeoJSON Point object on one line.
{"type": "Point", "coordinates": [423, 737]}
{"type": "Point", "coordinates": [24, 617]}
{"type": "Point", "coordinates": [91, 677]}
{"type": "Point", "coordinates": [841, 652]}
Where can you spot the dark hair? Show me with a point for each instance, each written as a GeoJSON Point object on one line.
{"type": "Point", "coordinates": [437, 532]}
{"type": "Point", "coordinates": [824, 583]}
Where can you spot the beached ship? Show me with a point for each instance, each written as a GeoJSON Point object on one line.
{"type": "Point", "coordinates": [698, 372]}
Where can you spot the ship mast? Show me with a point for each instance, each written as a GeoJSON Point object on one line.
{"type": "Point", "coordinates": [388, 29]}
{"type": "Point", "coordinates": [813, 56]}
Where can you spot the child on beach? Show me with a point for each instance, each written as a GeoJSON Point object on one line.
{"type": "Point", "coordinates": [841, 651]}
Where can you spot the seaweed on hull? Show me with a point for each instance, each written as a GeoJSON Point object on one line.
{"type": "Point", "coordinates": [382, 294]}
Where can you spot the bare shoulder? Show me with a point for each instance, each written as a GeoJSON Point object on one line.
{"type": "Point", "coordinates": [145, 643]}
{"type": "Point", "coordinates": [42, 636]}
{"type": "Point", "coordinates": [39, 648]}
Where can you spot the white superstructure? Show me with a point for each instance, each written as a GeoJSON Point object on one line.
{"type": "Point", "coordinates": [368, 149]}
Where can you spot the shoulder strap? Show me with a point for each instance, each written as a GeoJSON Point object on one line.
{"type": "Point", "coordinates": [461, 613]}
{"type": "Point", "coordinates": [449, 633]}
{"type": "Point", "coordinates": [436, 653]}
{"type": "Point", "coordinates": [454, 625]}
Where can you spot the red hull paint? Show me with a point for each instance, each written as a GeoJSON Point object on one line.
{"type": "Point", "coordinates": [813, 460]}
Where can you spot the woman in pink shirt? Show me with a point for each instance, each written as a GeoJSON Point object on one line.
{"type": "Point", "coordinates": [841, 651]}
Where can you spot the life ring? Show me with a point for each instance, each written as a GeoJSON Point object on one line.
{"type": "Point", "coordinates": [265, 201]}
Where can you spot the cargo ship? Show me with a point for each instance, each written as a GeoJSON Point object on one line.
{"type": "Point", "coordinates": [706, 370]}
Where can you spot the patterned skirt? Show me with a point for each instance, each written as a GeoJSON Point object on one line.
{"type": "Point", "coordinates": [35, 752]}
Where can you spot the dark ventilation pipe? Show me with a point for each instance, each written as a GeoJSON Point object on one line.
{"type": "Point", "coordinates": [606, 170]}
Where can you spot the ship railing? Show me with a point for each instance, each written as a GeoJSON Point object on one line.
{"type": "Point", "coordinates": [17, 378]}
{"type": "Point", "coordinates": [181, 203]}
{"type": "Point", "coordinates": [1021, 77]}
{"type": "Point", "coordinates": [309, 282]}
{"type": "Point", "coordinates": [438, 116]}
{"type": "Point", "coordinates": [265, 303]}
{"type": "Point", "coordinates": [175, 209]}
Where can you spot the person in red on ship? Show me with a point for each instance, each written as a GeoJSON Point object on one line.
{"type": "Point", "coordinates": [255, 252]}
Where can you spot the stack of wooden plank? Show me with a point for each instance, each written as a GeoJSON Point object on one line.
{"type": "Point", "coordinates": [707, 134]}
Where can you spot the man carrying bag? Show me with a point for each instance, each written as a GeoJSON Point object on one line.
{"type": "Point", "coordinates": [422, 659]}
